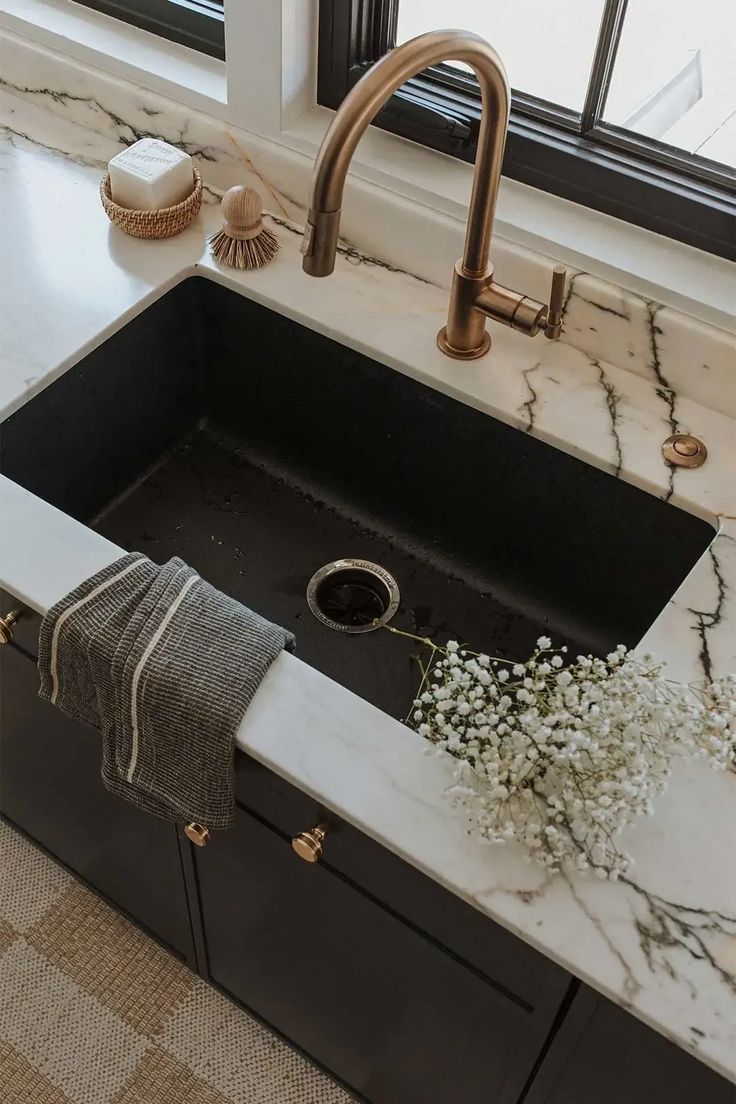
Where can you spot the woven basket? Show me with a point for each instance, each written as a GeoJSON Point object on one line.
{"type": "Point", "coordinates": [163, 223]}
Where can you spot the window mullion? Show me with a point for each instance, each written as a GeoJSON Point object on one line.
{"type": "Point", "coordinates": [604, 57]}
{"type": "Point", "coordinates": [374, 25]}
{"type": "Point", "coordinates": [386, 21]}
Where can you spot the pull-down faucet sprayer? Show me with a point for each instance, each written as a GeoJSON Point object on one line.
{"type": "Point", "coordinates": [474, 294]}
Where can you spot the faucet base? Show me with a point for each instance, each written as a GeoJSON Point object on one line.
{"type": "Point", "coordinates": [463, 354]}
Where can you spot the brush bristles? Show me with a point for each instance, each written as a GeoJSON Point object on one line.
{"type": "Point", "coordinates": [253, 253]}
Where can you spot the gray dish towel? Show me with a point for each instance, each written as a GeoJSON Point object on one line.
{"type": "Point", "coordinates": [164, 665]}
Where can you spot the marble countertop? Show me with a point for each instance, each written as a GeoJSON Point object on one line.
{"type": "Point", "coordinates": [662, 943]}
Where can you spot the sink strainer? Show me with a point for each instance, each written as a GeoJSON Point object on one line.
{"type": "Point", "coordinates": [353, 596]}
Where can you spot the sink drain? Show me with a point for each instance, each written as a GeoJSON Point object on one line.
{"type": "Point", "coordinates": [353, 596]}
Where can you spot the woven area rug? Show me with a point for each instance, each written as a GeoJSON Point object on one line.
{"type": "Point", "coordinates": [92, 1011]}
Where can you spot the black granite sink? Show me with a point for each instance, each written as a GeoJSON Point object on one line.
{"type": "Point", "coordinates": [214, 429]}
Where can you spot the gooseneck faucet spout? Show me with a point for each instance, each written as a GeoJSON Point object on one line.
{"type": "Point", "coordinates": [474, 294]}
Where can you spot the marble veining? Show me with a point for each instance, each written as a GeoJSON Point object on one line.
{"type": "Point", "coordinates": [612, 399]}
{"type": "Point", "coordinates": [605, 321]}
{"type": "Point", "coordinates": [662, 942]}
{"type": "Point", "coordinates": [707, 620]}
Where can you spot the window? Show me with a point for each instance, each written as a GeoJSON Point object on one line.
{"type": "Point", "coordinates": [626, 106]}
{"type": "Point", "coordinates": [196, 23]}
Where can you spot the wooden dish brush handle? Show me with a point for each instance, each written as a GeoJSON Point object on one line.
{"type": "Point", "coordinates": [242, 211]}
{"type": "Point", "coordinates": [243, 242]}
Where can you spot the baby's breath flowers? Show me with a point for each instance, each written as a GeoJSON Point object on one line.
{"type": "Point", "coordinates": [561, 756]}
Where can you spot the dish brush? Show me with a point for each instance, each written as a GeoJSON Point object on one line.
{"type": "Point", "coordinates": [243, 242]}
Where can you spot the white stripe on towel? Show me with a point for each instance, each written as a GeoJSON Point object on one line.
{"type": "Point", "coordinates": [141, 664]}
{"type": "Point", "coordinates": [73, 609]}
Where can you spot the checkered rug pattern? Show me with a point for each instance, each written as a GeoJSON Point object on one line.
{"type": "Point", "coordinates": [93, 1011]}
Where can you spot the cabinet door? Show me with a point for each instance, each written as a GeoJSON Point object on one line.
{"type": "Point", "coordinates": [603, 1055]}
{"type": "Point", "coordinates": [384, 1008]}
{"type": "Point", "coordinates": [532, 980]}
{"type": "Point", "coordinates": [50, 787]}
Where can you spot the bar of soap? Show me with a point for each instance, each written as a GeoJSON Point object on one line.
{"type": "Point", "coordinates": [149, 175]}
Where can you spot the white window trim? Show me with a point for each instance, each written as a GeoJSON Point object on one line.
{"type": "Point", "coordinates": [125, 51]}
{"type": "Point", "coordinates": [268, 87]}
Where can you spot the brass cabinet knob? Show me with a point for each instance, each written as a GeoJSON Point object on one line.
{"type": "Point", "coordinates": [308, 845]}
{"type": "Point", "coordinates": [197, 833]}
{"type": "Point", "coordinates": [7, 625]}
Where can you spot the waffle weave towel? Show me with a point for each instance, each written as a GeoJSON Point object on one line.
{"type": "Point", "coordinates": [164, 665]}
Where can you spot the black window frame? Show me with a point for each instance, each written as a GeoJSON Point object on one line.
{"type": "Point", "coordinates": [199, 24]}
{"type": "Point", "coordinates": [580, 158]}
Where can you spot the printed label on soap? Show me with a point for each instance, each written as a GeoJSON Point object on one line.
{"type": "Point", "coordinates": [149, 161]}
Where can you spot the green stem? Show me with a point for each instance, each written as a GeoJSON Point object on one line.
{"type": "Point", "coordinates": [438, 647]}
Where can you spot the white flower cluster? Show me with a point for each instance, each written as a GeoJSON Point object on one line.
{"type": "Point", "coordinates": [561, 757]}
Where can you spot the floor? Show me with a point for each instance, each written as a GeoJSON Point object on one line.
{"type": "Point", "coordinates": [92, 1011]}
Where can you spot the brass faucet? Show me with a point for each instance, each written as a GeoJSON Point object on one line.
{"type": "Point", "coordinates": [474, 294]}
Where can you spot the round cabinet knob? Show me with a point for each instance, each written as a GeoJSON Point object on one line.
{"type": "Point", "coordinates": [197, 833]}
{"type": "Point", "coordinates": [308, 845]}
{"type": "Point", "coordinates": [7, 626]}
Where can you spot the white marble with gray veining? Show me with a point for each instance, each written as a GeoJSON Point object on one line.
{"type": "Point", "coordinates": [601, 319]}
{"type": "Point", "coordinates": [663, 943]}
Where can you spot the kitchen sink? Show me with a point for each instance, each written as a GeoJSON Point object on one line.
{"type": "Point", "coordinates": [214, 429]}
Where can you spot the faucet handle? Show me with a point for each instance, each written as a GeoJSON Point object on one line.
{"type": "Point", "coordinates": [553, 323]}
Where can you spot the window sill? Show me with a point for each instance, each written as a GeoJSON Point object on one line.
{"type": "Point", "coordinates": [669, 272]}
{"type": "Point", "coordinates": [123, 50]}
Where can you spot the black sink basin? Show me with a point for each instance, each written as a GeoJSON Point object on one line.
{"type": "Point", "coordinates": [219, 431]}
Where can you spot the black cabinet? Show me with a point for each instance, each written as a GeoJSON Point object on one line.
{"type": "Point", "coordinates": [603, 1055]}
{"type": "Point", "coordinates": [50, 787]}
{"type": "Point", "coordinates": [446, 1012]}
{"type": "Point", "coordinates": [402, 991]}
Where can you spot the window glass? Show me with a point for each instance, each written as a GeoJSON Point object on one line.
{"type": "Point", "coordinates": [547, 46]}
{"type": "Point", "coordinates": [675, 75]}
{"type": "Point", "coordinates": [199, 24]}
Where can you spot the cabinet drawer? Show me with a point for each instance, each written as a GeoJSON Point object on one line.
{"type": "Point", "coordinates": [50, 787]}
{"type": "Point", "coordinates": [504, 960]}
{"type": "Point", "coordinates": [603, 1055]}
{"type": "Point", "coordinates": [384, 1009]}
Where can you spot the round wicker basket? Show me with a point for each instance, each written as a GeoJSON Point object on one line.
{"type": "Point", "coordinates": [163, 223]}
